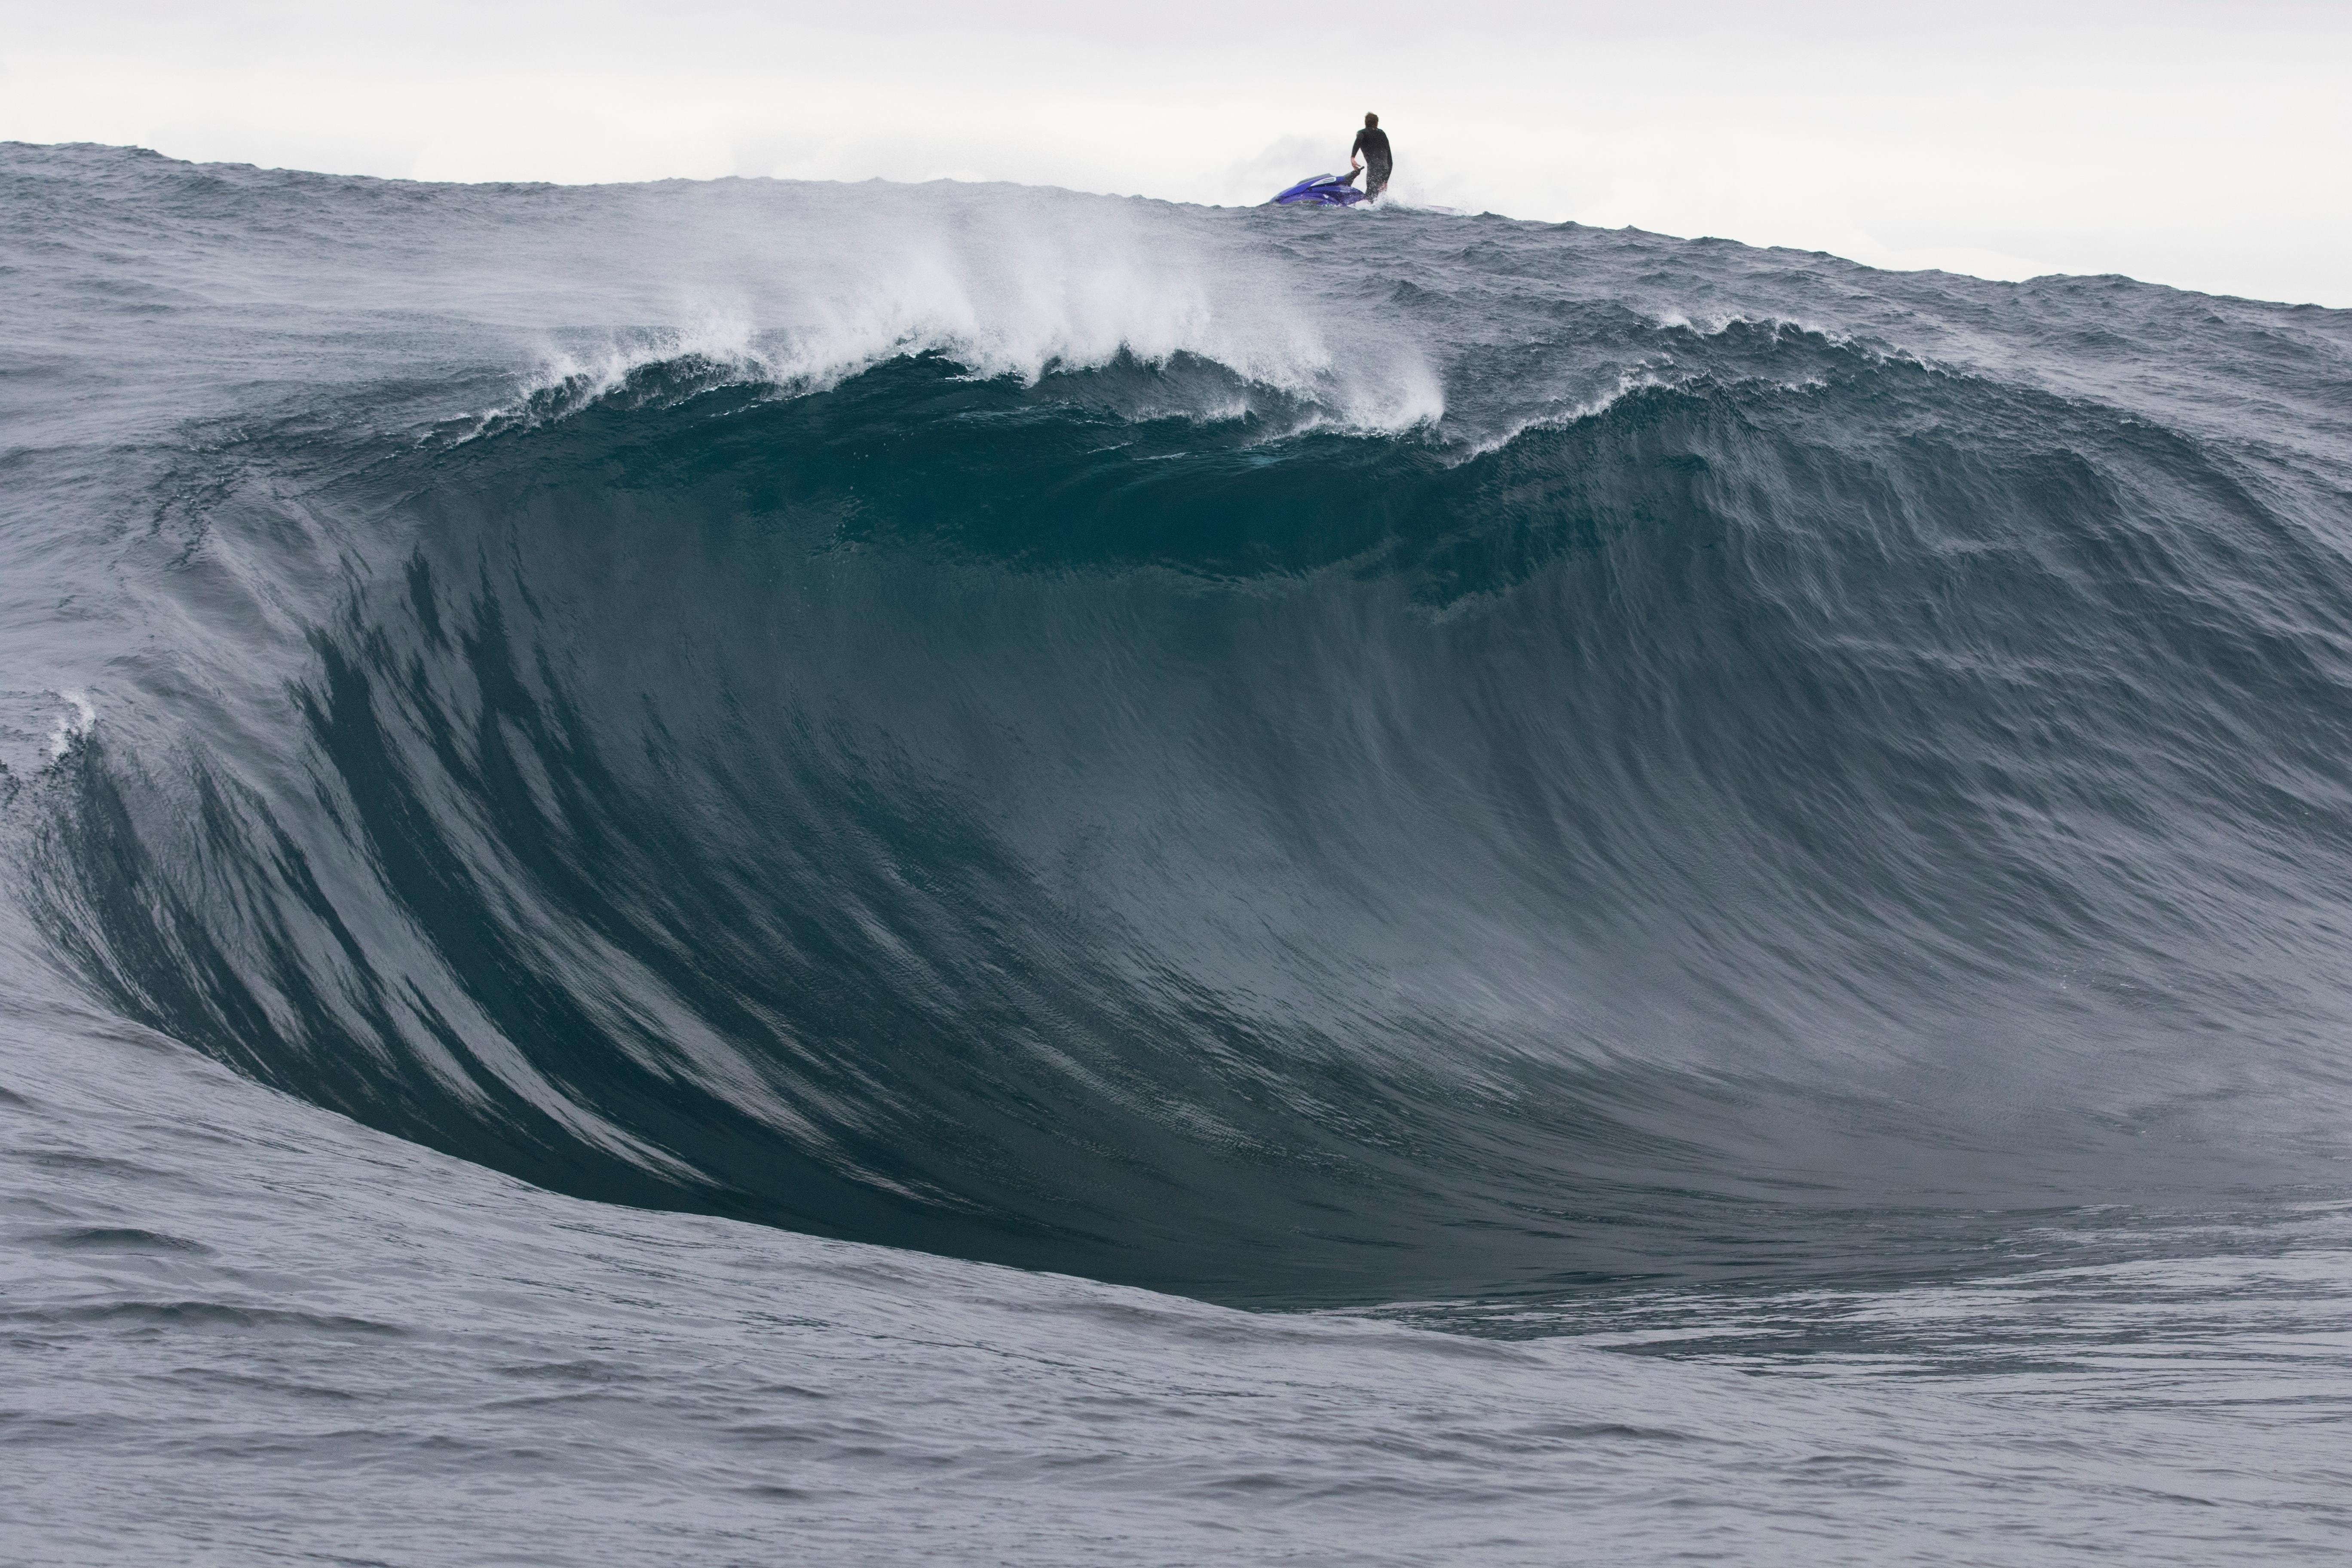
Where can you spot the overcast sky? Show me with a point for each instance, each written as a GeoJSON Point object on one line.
{"type": "Point", "coordinates": [2203, 145]}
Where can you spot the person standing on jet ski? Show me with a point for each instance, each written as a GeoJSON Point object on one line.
{"type": "Point", "coordinates": [1373, 143]}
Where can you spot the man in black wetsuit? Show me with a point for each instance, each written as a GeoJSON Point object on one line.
{"type": "Point", "coordinates": [1373, 143]}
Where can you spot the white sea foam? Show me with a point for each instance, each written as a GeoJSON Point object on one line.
{"type": "Point", "coordinates": [73, 725]}
{"type": "Point", "coordinates": [1005, 284]}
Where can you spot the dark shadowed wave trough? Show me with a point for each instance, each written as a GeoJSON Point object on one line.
{"type": "Point", "coordinates": [1296, 759]}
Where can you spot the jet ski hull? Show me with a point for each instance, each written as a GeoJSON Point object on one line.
{"type": "Point", "coordinates": [1321, 191]}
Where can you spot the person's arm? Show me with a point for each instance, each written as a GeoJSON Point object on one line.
{"type": "Point", "coordinates": [1353, 148]}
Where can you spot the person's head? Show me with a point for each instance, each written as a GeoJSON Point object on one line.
{"type": "Point", "coordinates": [1371, 122]}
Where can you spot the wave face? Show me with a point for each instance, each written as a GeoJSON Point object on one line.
{"type": "Point", "coordinates": [1281, 756]}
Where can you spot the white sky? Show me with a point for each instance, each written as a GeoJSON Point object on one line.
{"type": "Point", "coordinates": [2203, 145]}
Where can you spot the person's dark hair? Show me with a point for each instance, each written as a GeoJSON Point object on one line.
{"type": "Point", "coordinates": [1371, 120]}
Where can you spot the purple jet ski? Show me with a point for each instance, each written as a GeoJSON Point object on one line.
{"type": "Point", "coordinates": [1322, 190]}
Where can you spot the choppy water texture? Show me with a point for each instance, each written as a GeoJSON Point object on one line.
{"type": "Point", "coordinates": [1142, 884]}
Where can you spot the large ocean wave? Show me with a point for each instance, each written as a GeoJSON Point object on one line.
{"type": "Point", "coordinates": [1283, 757]}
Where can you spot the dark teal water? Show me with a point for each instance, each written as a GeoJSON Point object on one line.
{"type": "Point", "coordinates": [1560, 778]}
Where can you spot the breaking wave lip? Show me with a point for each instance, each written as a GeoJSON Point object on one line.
{"type": "Point", "coordinates": [677, 366]}
{"type": "Point", "coordinates": [674, 367]}
{"type": "Point", "coordinates": [1027, 290]}
{"type": "Point", "coordinates": [1640, 379]}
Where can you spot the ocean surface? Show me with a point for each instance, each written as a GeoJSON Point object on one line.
{"type": "Point", "coordinates": [747, 872]}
